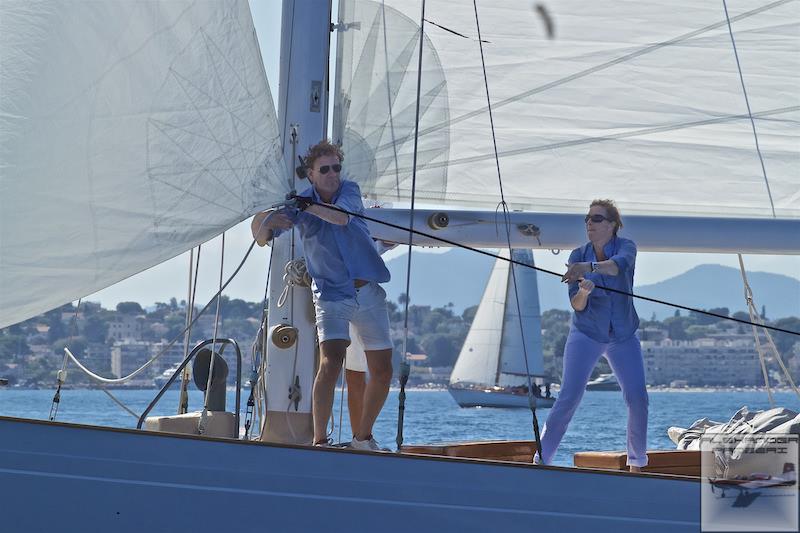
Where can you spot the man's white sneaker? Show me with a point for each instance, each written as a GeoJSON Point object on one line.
{"type": "Point", "coordinates": [369, 444]}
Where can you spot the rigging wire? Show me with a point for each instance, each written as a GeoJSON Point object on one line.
{"type": "Point", "coordinates": [201, 425]}
{"type": "Point", "coordinates": [61, 377]}
{"type": "Point", "coordinates": [749, 111]}
{"type": "Point", "coordinates": [405, 368]}
{"type": "Point", "coordinates": [504, 205]}
{"type": "Point", "coordinates": [258, 391]}
{"type": "Point", "coordinates": [748, 293]}
{"type": "Point", "coordinates": [183, 397]}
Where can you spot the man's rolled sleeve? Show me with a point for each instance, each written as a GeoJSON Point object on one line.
{"type": "Point", "coordinates": [625, 258]}
{"type": "Point", "coordinates": [350, 199]}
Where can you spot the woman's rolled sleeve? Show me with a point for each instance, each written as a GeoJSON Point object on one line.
{"type": "Point", "coordinates": [574, 257]}
{"type": "Point", "coordinates": [625, 258]}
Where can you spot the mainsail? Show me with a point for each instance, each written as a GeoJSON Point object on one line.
{"type": "Point", "coordinates": [493, 352]}
{"type": "Point", "coordinates": [639, 101]}
{"type": "Point", "coordinates": [129, 132]}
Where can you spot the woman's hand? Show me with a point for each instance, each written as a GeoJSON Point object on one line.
{"type": "Point", "coordinates": [576, 271]}
{"type": "Point", "coordinates": [586, 285]}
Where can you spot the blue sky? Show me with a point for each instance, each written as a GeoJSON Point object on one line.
{"type": "Point", "coordinates": [170, 279]}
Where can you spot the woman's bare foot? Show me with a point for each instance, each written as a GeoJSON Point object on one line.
{"type": "Point", "coordinates": [635, 468]}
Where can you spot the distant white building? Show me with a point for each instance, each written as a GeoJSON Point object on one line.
{"type": "Point", "coordinates": [127, 356]}
{"type": "Point", "coordinates": [707, 361]}
{"type": "Point", "coordinates": [126, 327]}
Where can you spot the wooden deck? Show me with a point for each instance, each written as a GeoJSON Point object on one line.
{"type": "Point", "coordinates": [675, 462]}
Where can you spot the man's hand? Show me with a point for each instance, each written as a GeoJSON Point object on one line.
{"type": "Point", "coordinates": [301, 202]}
{"type": "Point", "coordinates": [575, 272]}
{"type": "Point", "coordinates": [264, 224]}
{"type": "Point", "coordinates": [278, 220]}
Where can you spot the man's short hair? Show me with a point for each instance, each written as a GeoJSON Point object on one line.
{"type": "Point", "coordinates": [322, 148]}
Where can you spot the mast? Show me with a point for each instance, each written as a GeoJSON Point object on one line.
{"type": "Point", "coordinates": [302, 112]}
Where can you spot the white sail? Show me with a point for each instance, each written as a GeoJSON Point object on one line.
{"type": "Point", "coordinates": [129, 132]}
{"type": "Point", "coordinates": [512, 349]}
{"type": "Point", "coordinates": [638, 101]}
{"type": "Point", "coordinates": [493, 352]}
{"type": "Point", "coordinates": [478, 360]}
{"type": "Point", "coordinates": [375, 105]}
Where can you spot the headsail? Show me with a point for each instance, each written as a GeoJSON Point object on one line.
{"type": "Point", "coordinates": [493, 352]}
{"type": "Point", "coordinates": [512, 349]}
{"type": "Point", "coordinates": [636, 101]}
{"type": "Point", "coordinates": [375, 105]}
{"type": "Point", "coordinates": [129, 132]}
{"type": "Point", "coordinates": [477, 363]}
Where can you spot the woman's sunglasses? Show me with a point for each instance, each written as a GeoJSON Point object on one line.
{"type": "Point", "coordinates": [326, 168]}
{"type": "Point", "coordinates": [595, 218]}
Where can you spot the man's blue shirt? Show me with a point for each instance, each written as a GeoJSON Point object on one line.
{"type": "Point", "coordinates": [608, 316]}
{"type": "Point", "coordinates": [338, 255]}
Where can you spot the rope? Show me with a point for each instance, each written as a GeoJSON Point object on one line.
{"type": "Point", "coordinates": [404, 357]}
{"type": "Point", "coordinates": [169, 345]}
{"type": "Point", "coordinates": [531, 397]}
{"type": "Point", "coordinates": [751, 308]}
{"type": "Point", "coordinates": [749, 111]}
{"type": "Point", "coordinates": [552, 273]}
{"type": "Point", "coordinates": [295, 273]}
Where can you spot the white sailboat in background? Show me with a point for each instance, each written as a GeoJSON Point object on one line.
{"type": "Point", "coordinates": [491, 370]}
{"type": "Point", "coordinates": [132, 131]}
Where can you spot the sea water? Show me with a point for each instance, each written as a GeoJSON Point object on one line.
{"type": "Point", "coordinates": [432, 416]}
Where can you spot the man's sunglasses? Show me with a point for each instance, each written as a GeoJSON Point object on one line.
{"type": "Point", "coordinates": [595, 218]}
{"type": "Point", "coordinates": [326, 168]}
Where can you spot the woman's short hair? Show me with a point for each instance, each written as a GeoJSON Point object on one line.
{"type": "Point", "coordinates": [611, 211]}
{"type": "Point", "coordinates": [322, 148]}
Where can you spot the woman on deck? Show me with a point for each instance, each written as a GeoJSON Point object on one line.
{"type": "Point", "coordinates": [604, 323]}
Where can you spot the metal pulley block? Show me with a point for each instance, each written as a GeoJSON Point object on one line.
{"type": "Point", "coordinates": [438, 220]}
{"type": "Point", "coordinates": [283, 335]}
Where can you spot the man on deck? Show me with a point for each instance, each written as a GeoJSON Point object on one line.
{"type": "Point", "coordinates": [346, 270]}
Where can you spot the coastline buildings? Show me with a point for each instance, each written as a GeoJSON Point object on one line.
{"type": "Point", "coordinates": [721, 360]}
